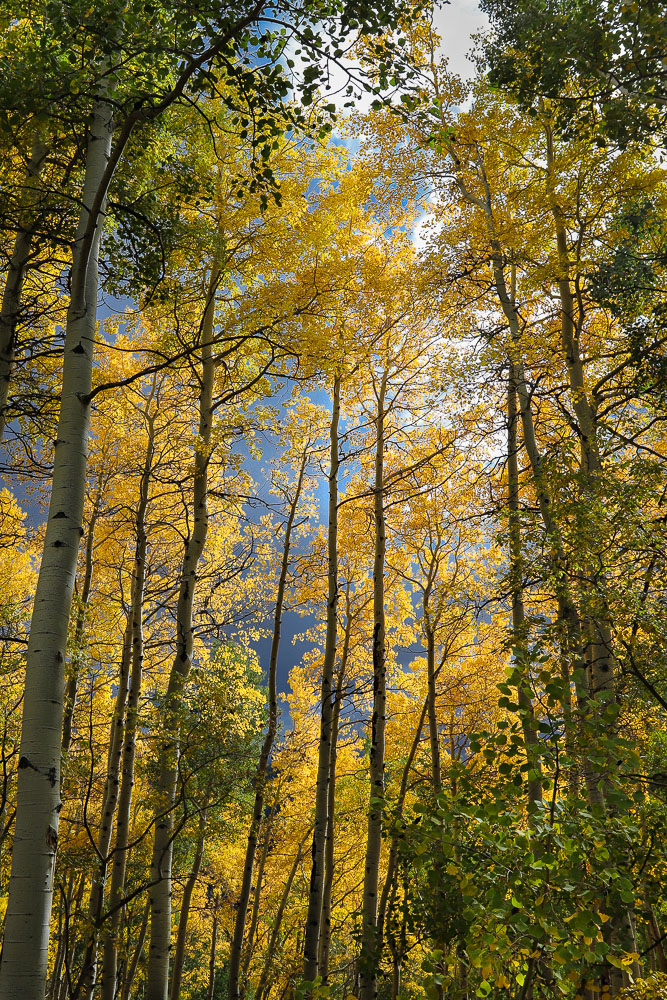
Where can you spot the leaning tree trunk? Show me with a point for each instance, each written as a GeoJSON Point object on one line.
{"type": "Point", "coordinates": [26, 940]}
{"type": "Point", "coordinates": [369, 907]}
{"type": "Point", "coordinates": [18, 263]}
{"type": "Point", "coordinates": [311, 945]}
{"type": "Point", "coordinates": [157, 985]}
{"type": "Point", "coordinates": [236, 947]}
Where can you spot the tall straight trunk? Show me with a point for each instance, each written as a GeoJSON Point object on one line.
{"type": "Point", "coordinates": [392, 864]}
{"type": "Point", "coordinates": [262, 982]}
{"type": "Point", "coordinates": [329, 852]}
{"type": "Point", "coordinates": [369, 906]}
{"type": "Point", "coordinates": [26, 940]}
{"type": "Point", "coordinates": [128, 749]}
{"type": "Point", "coordinates": [131, 972]}
{"type": "Point", "coordinates": [257, 895]}
{"type": "Point", "coordinates": [434, 736]}
{"type": "Point", "coordinates": [236, 946]}
{"type": "Point", "coordinates": [186, 903]}
{"type": "Point", "coordinates": [86, 983]}
{"type": "Point", "coordinates": [75, 666]}
{"type": "Point", "coordinates": [212, 957]}
{"type": "Point", "coordinates": [311, 944]}
{"type": "Point", "coordinates": [18, 263]}
{"type": "Point", "coordinates": [157, 985]}
{"type": "Point", "coordinates": [519, 625]}
{"type": "Point", "coordinates": [132, 651]}
{"type": "Point", "coordinates": [601, 670]}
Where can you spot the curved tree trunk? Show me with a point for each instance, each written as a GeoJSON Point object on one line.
{"type": "Point", "coordinates": [236, 947]}
{"type": "Point", "coordinates": [369, 941]}
{"type": "Point", "coordinates": [26, 940]}
{"type": "Point", "coordinates": [311, 945]}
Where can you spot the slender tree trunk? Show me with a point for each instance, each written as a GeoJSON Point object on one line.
{"type": "Point", "coordinates": [132, 650]}
{"type": "Point", "coordinates": [160, 875]}
{"type": "Point", "coordinates": [434, 736]}
{"type": "Point", "coordinates": [128, 732]}
{"type": "Point", "coordinates": [75, 666]}
{"type": "Point", "coordinates": [329, 854]}
{"type": "Point", "coordinates": [18, 263]}
{"type": "Point", "coordinates": [26, 941]}
{"type": "Point", "coordinates": [212, 956]}
{"type": "Point", "coordinates": [186, 902]}
{"type": "Point", "coordinates": [236, 946]}
{"type": "Point", "coordinates": [519, 625]}
{"type": "Point", "coordinates": [87, 978]}
{"type": "Point", "coordinates": [392, 864]}
{"type": "Point", "coordinates": [261, 990]}
{"type": "Point", "coordinates": [136, 955]}
{"type": "Point", "coordinates": [267, 826]}
{"type": "Point", "coordinates": [369, 941]}
{"type": "Point", "coordinates": [311, 945]}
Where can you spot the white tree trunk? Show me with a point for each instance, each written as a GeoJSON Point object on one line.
{"type": "Point", "coordinates": [26, 941]}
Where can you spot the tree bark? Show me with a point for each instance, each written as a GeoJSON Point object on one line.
{"type": "Point", "coordinates": [25, 949]}
{"type": "Point", "coordinates": [311, 945]}
{"type": "Point", "coordinates": [369, 941]}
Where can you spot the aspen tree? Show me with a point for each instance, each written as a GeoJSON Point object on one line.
{"type": "Point", "coordinates": [267, 745]}
{"type": "Point", "coordinates": [131, 664]}
{"type": "Point", "coordinates": [19, 260]}
{"type": "Point", "coordinates": [25, 949]}
{"type": "Point", "coordinates": [160, 892]}
{"type": "Point", "coordinates": [369, 956]}
{"type": "Point", "coordinates": [311, 946]}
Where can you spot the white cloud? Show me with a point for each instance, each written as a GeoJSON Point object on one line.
{"type": "Point", "coordinates": [456, 22]}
